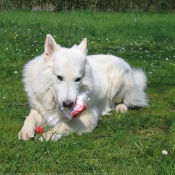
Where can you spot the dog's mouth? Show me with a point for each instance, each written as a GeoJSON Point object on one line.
{"type": "Point", "coordinates": [66, 112]}
{"type": "Point", "coordinates": [66, 107]}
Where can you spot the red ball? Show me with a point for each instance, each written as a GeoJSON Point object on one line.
{"type": "Point", "coordinates": [39, 129]}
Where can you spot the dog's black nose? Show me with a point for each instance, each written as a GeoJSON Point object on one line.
{"type": "Point", "coordinates": [68, 103]}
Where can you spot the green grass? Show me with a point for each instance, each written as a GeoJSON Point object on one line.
{"type": "Point", "coordinates": [130, 143]}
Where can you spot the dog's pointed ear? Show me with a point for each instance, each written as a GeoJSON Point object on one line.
{"type": "Point", "coordinates": [83, 45]}
{"type": "Point", "coordinates": [50, 45]}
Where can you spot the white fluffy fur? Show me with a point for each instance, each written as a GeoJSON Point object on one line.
{"type": "Point", "coordinates": [114, 83]}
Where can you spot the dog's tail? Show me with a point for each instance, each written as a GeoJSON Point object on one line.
{"type": "Point", "coordinates": [137, 96]}
{"type": "Point", "coordinates": [139, 78]}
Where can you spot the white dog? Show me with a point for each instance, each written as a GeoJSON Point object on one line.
{"type": "Point", "coordinates": [55, 77]}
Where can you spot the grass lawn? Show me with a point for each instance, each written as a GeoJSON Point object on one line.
{"type": "Point", "coordinates": [130, 143]}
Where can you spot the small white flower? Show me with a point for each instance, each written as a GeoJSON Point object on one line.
{"type": "Point", "coordinates": [15, 72]}
{"type": "Point", "coordinates": [3, 97]}
{"type": "Point", "coordinates": [164, 152]}
{"type": "Point", "coordinates": [166, 58]}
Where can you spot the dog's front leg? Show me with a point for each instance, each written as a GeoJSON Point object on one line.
{"type": "Point", "coordinates": [28, 130]}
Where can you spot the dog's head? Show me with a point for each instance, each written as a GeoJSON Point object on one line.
{"type": "Point", "coordinates": [68, 69]}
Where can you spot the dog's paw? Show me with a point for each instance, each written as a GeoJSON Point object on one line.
{"type": "Point", "coordinates": [121, 108]}
{"type": "Point", "coordinates": [46, 136]}
{"type": "Point", "coordinates": [26, 134]}
{"type": "Point", "coordinates": [50, 135]}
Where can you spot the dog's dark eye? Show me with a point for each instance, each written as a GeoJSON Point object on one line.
{"type": "Point", "coordinates": [78, 79]}
{"type": "Point", "coordinates": [60, 77]}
